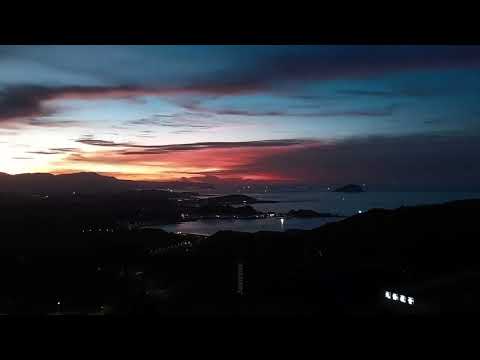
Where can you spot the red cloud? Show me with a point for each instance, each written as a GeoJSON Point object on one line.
{"type": "Point", "coordinates": [190, 160]}
{"type": "Point", "coordinates": [407, 160]}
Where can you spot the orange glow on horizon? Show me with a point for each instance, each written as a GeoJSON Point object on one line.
{"type": "Point", "coordinates": [221, 163]}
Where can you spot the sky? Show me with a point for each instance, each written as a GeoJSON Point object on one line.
{"type": "Point", "coordinates": [398, 115]}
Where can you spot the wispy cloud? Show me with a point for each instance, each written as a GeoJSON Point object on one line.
{"type": "Point", "coordinates": [45, 152]}
{"type": "Point", "coordinates": [106, 143]}
{"type": "Point", "coordinates": [152, 149]}
{"type": "Point", "coordinates": [184, 121]}
{"type": "Point", "coordinates": [65, 149]}
{"type": "Point", "coordinates": [414, 93]}
{"type": "Point", "coordinates": [51, 122]}
{"type": "Point", "coordinates": [54, 151]}
{"type": "Point", "coordinates": [359, 112]}
{"type": "Point", "coordinates": [365, 112]}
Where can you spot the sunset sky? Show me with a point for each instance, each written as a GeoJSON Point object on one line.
{"type": "Point", "coordinates": [305, 114]}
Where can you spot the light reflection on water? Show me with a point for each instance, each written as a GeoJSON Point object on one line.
{"type": "Point", "coordinates": [211, 226]}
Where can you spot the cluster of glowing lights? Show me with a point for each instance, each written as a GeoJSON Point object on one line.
{"type": "Point", "coordinates": [240, 287]}
{"type": "Point", "coordinates": [99, 229]}
{"type": "Point", "coordinates": [398, 297]}
{"type": "Point", "coordinates": [180, 245]}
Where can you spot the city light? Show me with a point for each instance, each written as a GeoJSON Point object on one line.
{"type": "Point", "coordinates": [388, 295]}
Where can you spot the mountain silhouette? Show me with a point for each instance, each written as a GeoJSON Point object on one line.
{"type": "Point", "coordinates": [82, 182]}
{"type": "Point", "coordinates": [45, 183]}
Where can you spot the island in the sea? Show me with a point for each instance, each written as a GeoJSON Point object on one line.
{"type": "Point", "coordinates": [350, 188]}
{"type": "Point", "coordinates": [238, 207]}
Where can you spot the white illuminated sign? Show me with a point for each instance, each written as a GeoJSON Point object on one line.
{"type": "Point", "coordinates": [398, 297]}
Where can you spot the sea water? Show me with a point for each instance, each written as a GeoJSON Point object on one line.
{"type": "Point", "coordinates": [344, 204]}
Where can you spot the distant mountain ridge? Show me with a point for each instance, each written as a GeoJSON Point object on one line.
{"type": "Point", "coordinates": [82, 182]}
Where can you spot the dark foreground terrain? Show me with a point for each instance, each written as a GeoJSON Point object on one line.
{"type": "Point", "coordinates": [409, 261]}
